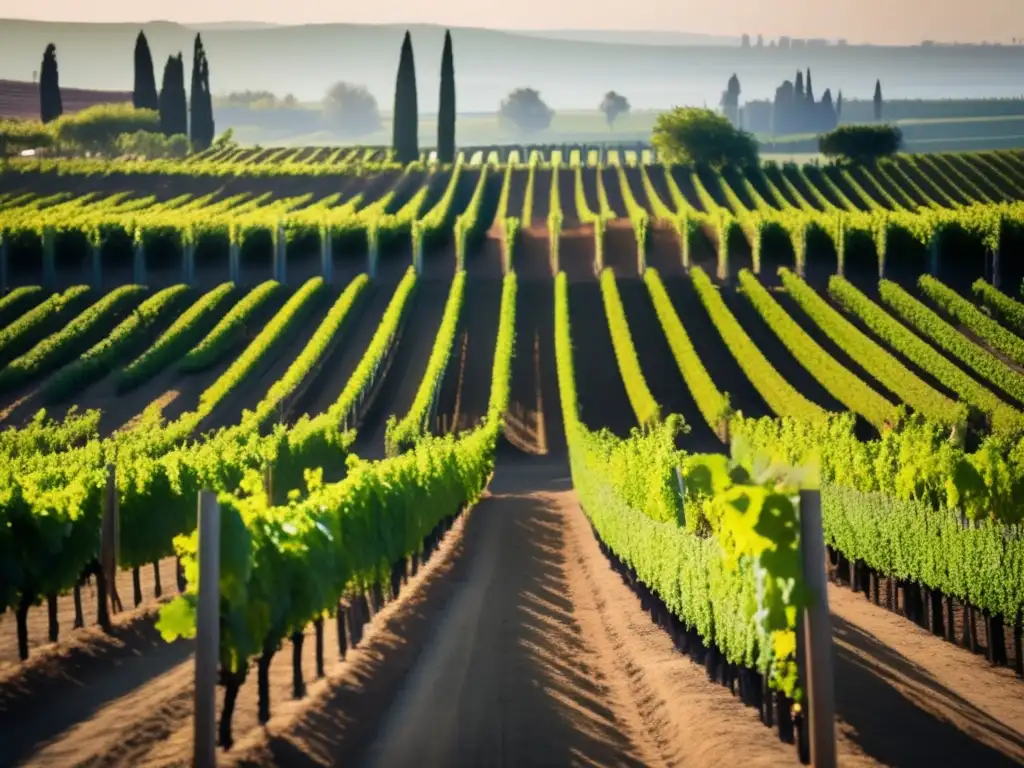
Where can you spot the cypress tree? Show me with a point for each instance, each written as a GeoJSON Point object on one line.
{"type": "Point", "coordinates": [839, 105]}
{"type": "Point", "coordinates": [446, 118]}
{"type": "Point", "coordinates": [201, 100]}
{"type": "Point", "coordinates": [809, 88]}
{"type": "Point", "coordinates": [144, 96]}
{"type": "Point", "coordinates": [173, 107]}
{"type": "Point", "coordinates": [878, 101]}
{"type": "Point", "coordinates": [50, 106]}
{"type": "Point", "coordinates": [798, 86]}
{"type": "Point", "coordinates": [406, 114]}
{"type": "Point", "coordinates": [208, 102]}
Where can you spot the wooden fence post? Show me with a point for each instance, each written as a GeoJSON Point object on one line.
{"type": "Point", "coordinates": [235, 262]}
{"type": "Point", "coordinates": [49, 259]}
{"type": "Point", "coordinates": [109, 550]}
{"type": "Point", "coordinates": [207, 633]}
{"type": "Point", "coordinates": [139, 263]}
{"type": "Point", "coordinates": [817, 629]}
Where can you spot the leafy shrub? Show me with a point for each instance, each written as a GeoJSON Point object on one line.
{"type": "Point", "coordinates": [701, 137]}
{"type": "Point", "coordinates": [861, 143]}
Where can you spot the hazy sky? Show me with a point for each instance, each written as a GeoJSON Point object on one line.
{"type": "Point", "coordinates": [881, 21]}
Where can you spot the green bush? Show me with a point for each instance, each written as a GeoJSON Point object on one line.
{"type": "Point", "coordinates": [149, 145]}
{"type": "Point", "coordinates": [695, 136]}
{"type": "Point", "coordinates": [861, 143]}
{"type": "Point", "coordinates": [17, 135]}
{"type": "Point", "coordinates": [97, 129]}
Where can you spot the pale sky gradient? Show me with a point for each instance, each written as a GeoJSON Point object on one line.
{"type": "Point", "coordinates": [879, 21]}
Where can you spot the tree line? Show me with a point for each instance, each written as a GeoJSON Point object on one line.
{"type": "Point", "coordinates": [170, 102]}
{"type": "Point", "coordinates": [794, 108]}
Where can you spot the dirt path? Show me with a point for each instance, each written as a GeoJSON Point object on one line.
{"type": "Point", "coordinates": [659, 367]}
{"type": "Point", "coordinates": [533, 423]}
{"type": "Point", "coordinates": [707, 343]}
{"type": "Point", "coordinates": [776, 353]}
{"type": "Point", "coordinates": [904, 697]}
{"type": "Point", "coordinates": [410, 362]}
{"type": "Point", "coordinates": [603, 401]}
{"type": "Point", "coordinates": [541, 197]}
{"type": "Point", "coordinates": [268, 371]}
{"type": "Point", "coordinates": [620, 249]}
{"type": "Point", "coordinates": [466, 388]}
{"type": "Point", "coordinates": [529, 659]}
{"type": "Point", "coordinates": [567, 198]}
{"type": "Point", "coordinates": [341, 364]}
{"type": "Point", "coordinates": [664, 251]}
{"type": "Point", "coordinates": [517, 194]}
{"type": "Point", "coordinates": [42, 651]}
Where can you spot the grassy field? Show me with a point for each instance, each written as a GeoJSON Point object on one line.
{"type": "Point", "coordinates": [581, 126]}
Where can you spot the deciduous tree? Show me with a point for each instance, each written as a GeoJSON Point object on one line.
{"type": "Point", "coordinates": [614, 105]}
{"type": "Point", "coordinates": [525, 109]}
{"type": "Point", "coordinates": [700, 136]}
{"type": "Point", "coordinates": [351, 110]}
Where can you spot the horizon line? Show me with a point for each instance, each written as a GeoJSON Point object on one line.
{"type": "Point", "coordinates": [512, 30]}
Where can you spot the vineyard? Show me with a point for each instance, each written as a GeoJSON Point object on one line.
{"type": "Point", "coordinates": [474, 428]}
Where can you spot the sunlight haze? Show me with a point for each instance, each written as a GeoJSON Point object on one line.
{"type": "Point", "coordinates": [858, 21]}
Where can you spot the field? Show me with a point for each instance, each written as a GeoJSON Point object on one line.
{"type": "Point", "coordinates": [526, 559]}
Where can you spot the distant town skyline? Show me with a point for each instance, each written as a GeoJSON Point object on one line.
{"type": "Point", "coordinates": [858, 21]}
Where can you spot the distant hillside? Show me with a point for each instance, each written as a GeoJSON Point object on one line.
{"type": "Point", "coordinates": [21, 99]}
{"type": "Point", "coordinates": [630, 37]}
{"type": "Point", "coordinates": [570, 74]}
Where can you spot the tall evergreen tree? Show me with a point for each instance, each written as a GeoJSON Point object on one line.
{"type": "Point", "coordinates": [173, 106]}
{"type": "Point", "coordinates": [798, 86]}
{"type": "Point", "coordinates": [144, 96]}
{"type": "Point", "coordinates": [809, 88]}
{"type": "Point", "coordinates": [201, 124]}
{"type": "Point", "coordinates": [50, 105]}
{"type": "Point", "coordinates": [839, 105]}
{"type": "Point", "coordinates": [878, 101]}
{"type": "Point", "coordinates": [446, 117]}
{"type": "Point", "coordinates": [406, 114]}
{"type": "Point", "coordinates": [208, 102]}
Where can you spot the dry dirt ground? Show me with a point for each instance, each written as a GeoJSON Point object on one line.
{"type": "Point", "coordinates": [519, 645]}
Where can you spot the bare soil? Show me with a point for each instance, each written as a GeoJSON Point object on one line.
{"type": "Point", "coordinates": [904, 697]}
{"type": "Point", "coordinates": [660, 369]}
{"type": "Point", "coordinates": [517, 194]}
{"type": "Point", "coordinates": [590, 188]}
{"type": "Point", "coordinates": [533, 423]}
{"type": "Point", "coordinates": [407, 367]}
{"type": "Point", "coordinates": [683, 178]}
{"type": "Point", "coordinates": [567, 198]}
{"type": "Point", "coordinates": [541, 197]}
{"type": "Point", "coordinates": [603, 401]}
{"type": "Point", "coordinates": [540, 653]}
{"type": "Point", "coordinates": [636, 187]}
{"type": "Point", "coordinates": [277, 361]}
{"type": "Point", "coordinates": [723, 368]}
{"type": "Point", "coordinates": [42, 652]}
{"type": "Point", "coordinates": [776, 353]}
{"type": "Point", "coordinates": [342, 362]}
{"type": "Point", "coordinates": [664, 251]}
{"type": "Point", "coordinates": [466, 388]}
{"type": "Point", "coordinates": [576, 253]}
{"type": "Point", "coordinates": [620, 253]}
{"type": "Point", "coordinates": [531, 257]}
{"type": "Point", "coordinates": [613, 191]}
